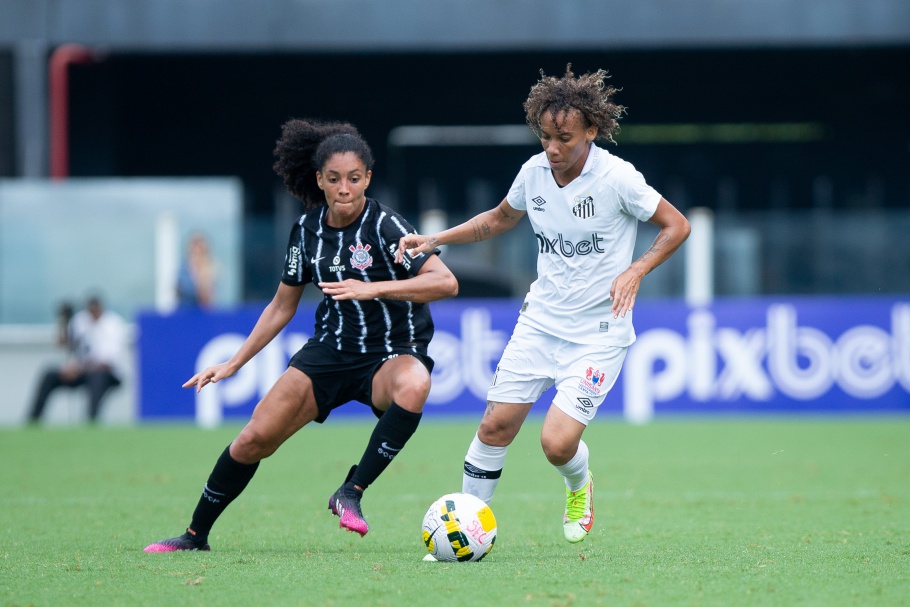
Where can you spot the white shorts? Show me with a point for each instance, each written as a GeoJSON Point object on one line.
{"type": "Point", "coordinates": [533, 361]}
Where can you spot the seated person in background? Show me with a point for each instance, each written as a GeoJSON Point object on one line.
{"type": "Point", "coordinates": [95, 338]}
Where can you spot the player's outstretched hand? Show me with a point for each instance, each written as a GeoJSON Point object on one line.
{"type": "Point", "coordinates": [414, 244]}
{"type": "Point", "coordinates": [212, 375]}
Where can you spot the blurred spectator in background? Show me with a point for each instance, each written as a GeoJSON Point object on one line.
{"type": "Point", "coordinates": [64, 316]}
{"type": "Point", "coordinates": [95, 342]}
{"type": "Point", "coordinates": [196, 280]}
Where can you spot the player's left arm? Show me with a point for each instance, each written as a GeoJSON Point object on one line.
{"type": "Point", "coordinates": [432, 282]}
{"type": "Point", "coordinates": [674, 229]}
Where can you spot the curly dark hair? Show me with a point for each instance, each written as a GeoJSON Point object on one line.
{"type": "Point", "coordinates": [304, 148]}
{"type": "Point", "coordinates": [588, 94]}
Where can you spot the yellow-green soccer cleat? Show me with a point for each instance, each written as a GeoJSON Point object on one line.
{"type": "Point", "coordinates": [579, 517]}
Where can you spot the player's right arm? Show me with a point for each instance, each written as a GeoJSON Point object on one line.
{"type": "Point", "coordinates": [483, 226]}
{"type": "Point", "coordinates": [275, 317]}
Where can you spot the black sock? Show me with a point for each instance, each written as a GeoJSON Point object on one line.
{"type": "Point", "coordinates": [389, 436]}
{"type": "Point", "coordinates": [227, 480]}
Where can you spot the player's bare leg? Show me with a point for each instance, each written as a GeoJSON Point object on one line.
{"type": "Point", "coordinates": [562, 444]}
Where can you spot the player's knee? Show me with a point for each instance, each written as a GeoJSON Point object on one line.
{"type": "Point", "coordinates": [250, 446]}
{"type": "Point", "coordinates": [411, 391]}
{"type": "Point", "coordinates": [557, 452]}
{"type": "Point", "coordinates": [495, 432]}
{"type": "Point", "coordinates": [414, 391]}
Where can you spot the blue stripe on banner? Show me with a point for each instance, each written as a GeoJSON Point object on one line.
{"type": "Point", "coordinates": [763, 355]}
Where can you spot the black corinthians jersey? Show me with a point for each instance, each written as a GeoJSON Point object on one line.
{"type": "Point", "coordinates": [364, 250]}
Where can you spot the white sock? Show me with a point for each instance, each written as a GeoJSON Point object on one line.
{"type": "Point", "coordinates": [482, 469]}
{"type": "Point", "coordinates": [575, 471]}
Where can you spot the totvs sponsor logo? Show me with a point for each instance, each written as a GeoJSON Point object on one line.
{"type": "Point", "coordinates": [782, 359]}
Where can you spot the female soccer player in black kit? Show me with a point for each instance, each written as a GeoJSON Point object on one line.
{"type": "Point", "coordinates": [371, 332]}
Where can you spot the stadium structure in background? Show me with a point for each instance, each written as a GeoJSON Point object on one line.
{"type": "Point", "coordinates": [784, 121]}
{"type": "Point", "coordinates": [776, 108]}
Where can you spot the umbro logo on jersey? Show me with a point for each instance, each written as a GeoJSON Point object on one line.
{"type": "Point", "coordinates": [538, 203]}
{"type": "Point", "coordinates": [584, 207]}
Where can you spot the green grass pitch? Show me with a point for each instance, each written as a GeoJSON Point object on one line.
{"type": "Point", "coordinates": [697, 511]}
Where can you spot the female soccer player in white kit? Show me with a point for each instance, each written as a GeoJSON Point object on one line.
{"type": "Point", "coordinates": [575, 324]}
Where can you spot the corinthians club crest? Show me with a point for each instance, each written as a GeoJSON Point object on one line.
{"type": "Point", "coordinates": [361, 258]}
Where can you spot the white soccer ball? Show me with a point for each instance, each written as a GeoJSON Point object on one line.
{"type": "Point", "coordinates": [459, 527]}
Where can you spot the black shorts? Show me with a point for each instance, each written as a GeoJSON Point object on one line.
{"type": "Point", "coordinates": [341, 377]}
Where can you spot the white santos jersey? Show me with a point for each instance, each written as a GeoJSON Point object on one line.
{"type": "Point", "coordinates": [585, 236]}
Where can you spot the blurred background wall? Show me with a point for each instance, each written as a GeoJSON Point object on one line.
{"type": "Point", "coordinates": [786, 120]}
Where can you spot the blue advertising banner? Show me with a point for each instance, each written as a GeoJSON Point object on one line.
{"type": "Point", "coordinates": [774, 355]}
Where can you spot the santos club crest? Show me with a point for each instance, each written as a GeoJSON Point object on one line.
{"type": "Point", "coordinates": [361, 258]}
{"type": "Point", "coordinates": [584, 207]}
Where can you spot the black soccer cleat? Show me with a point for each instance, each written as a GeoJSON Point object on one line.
{"type": "Point", "coordinates": [345, 504]}
{"type": "Point", "coordinates": [183, 542]}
